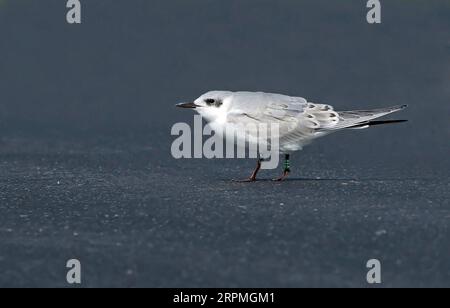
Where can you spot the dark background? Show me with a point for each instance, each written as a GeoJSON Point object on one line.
{"type": "Point", "coordinates": [85, 164]}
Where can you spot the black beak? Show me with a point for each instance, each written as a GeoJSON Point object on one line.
{"type": "Point", "coordinates": [187, 105]}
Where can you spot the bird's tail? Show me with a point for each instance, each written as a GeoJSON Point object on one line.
{"type": "Point", "coordinates": [375, 123]}
{"type": "Point", "coordinates": [359, 119]}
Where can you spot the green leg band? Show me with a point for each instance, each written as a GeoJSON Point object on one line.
{"type": "Point", "coordinates": [287, 166]}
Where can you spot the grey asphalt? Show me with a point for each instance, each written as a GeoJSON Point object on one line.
{"type": "Point", "coordinates": [86, 170]}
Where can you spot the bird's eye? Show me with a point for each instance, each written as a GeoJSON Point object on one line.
{"type": "Point", "coordinates": [209, 101]}
{"type": "Point", "coordinates": [213, 102]}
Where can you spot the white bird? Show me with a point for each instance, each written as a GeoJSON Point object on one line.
{"type": "Point", "coordinates": [299, 121]}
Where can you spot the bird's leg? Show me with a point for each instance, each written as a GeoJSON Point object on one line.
{"type": "Point", "coordinates": [252, 178]}
{"type": "Point", "coordinates": [255, 172]}
{"type": "Point", "coordinates": [286, 168]}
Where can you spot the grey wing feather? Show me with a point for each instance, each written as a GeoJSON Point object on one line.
{"type": "Point", "coordinates": [267, 108]}
{"type": "Point", "coordinates": [348, 119]}
{"type": "Point", "coordinates": [296, 117]}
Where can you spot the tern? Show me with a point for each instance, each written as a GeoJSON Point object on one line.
{"type": "Point", "coordinates": [299, 121]}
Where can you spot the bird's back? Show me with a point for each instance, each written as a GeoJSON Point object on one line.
{"type": "Point", "coordinates": [261, 100]}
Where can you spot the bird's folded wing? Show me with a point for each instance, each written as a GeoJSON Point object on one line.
{"type": "Point", "coordinates": [294, 118]}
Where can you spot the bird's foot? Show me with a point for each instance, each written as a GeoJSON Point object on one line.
{"type": "Point", "coordinates": [283, 177]}
{"type": "Point", "coordinates": [249, 180]}
{"type": "Point", "coordinates": [244, 181]}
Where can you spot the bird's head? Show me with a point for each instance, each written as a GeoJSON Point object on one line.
{"type": "Point", "coordinates": [212, 105]}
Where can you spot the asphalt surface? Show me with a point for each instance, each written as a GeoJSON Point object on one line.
{"type": "Point", "coordinates": [86, 170]}
{"type": "Point", "coordinates": [135, 217]}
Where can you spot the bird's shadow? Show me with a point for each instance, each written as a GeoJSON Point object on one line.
{"type": "Point", "coordinates": [354, 180]}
